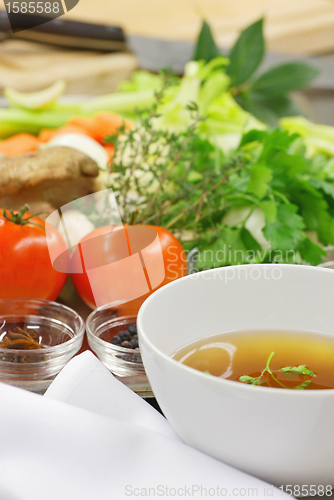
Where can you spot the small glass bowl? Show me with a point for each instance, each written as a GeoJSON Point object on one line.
{"type": "Point", "coordinates": [105, 322]}
{"type": "Point", "coordinates": [60, 331]}
{"type": "Point", "coordinates": [125, 364]}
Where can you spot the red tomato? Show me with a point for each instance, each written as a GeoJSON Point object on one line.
{"type": "Point", "coordinates": [108, 250]}
{"type": "Point", "coordinates": [25, 266]}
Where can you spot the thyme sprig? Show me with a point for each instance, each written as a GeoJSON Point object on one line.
{"type": "Point", "coordinates": [169, 178]}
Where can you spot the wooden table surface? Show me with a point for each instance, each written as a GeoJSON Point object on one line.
{"type": "Point", "coordinates": [292, 26]}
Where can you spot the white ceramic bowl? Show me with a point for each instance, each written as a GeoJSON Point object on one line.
{"type": "Point", "coordinates": [283, 436]}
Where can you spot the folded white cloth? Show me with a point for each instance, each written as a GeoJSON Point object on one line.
{"type": "Point", "coordinates": [91, 438]}
{"type": "Point", "coordinates": [85, 382]}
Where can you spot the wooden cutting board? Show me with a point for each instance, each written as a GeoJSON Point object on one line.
{"type": "Point", "coordinates": [28, 66]}
{"type": "Point", "coordinates": [293, 26]}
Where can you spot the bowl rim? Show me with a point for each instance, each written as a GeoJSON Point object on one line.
{"type": "Point", "coordinates": [51, 349]}
{"type": "Point", "coordinates": [217, 380]}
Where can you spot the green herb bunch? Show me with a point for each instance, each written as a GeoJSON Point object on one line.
{"type": "Point", "coordinates": [171, 179]}
{"type": "Point", "coordinates": [289, 196]}
{"type": "Point", "coordinates": [185, 183]}
{"type": "Point", "coordinates": [264, 94]}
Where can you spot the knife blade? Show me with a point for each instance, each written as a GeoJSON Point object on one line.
{"type": "Point", "coordinates": [66, 33]}
{"type": "Point", "coordinates": [153, 54]}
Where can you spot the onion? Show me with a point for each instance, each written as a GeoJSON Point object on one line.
{"type": "Point", "coordinates": [254, 224]}
{"type": "Point", "coordinates": [82, 143]}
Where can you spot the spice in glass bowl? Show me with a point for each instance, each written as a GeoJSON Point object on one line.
{"type": "Point", "coordinates": [106, 332]}
{"type": "Point", "coordinates": [20, 339]}
{"type": "Point", "coordinates": [127, 338]}
{"type": "Point", "coordinates": [37, 339]}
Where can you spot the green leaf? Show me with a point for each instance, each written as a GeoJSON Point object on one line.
{"type": "Point", "coordinates": [270, 209]}
{"type": "Point", "coordinates": [276, 140]}
{"type": "Point", "coordinates": [297, 370]}
{"type": "Point", "coordinates": [206, 48]}
{"type": "Point", "coordinates": [248, 240]}
{"type": "Point", "coordinates": [285, 78]}
{"type": "Point", "coordinates": [286, 232]}
{"type": "Point", "coordinates": [259, 110]}
{"type": "Point", "coordinates": [326, 187]}
{"type": "Point", "coordinates": [228, 248]}
{"type": "Point", "coordinates": [314, 209]}
{"type": "Point", "coordinates": [250, 380]}
{"type": "Point", "coordinates": [279, 105]}
{"type": "Point", "coordinates": [260, 176]}
{"type": "Point", "coordinates": [252, 136]}
{"type": "Point", "coordinates": [286, 165]}
{"type": "Point", "coordinates": [247, 53]}
{"type": "Point", "coordinates": [304, 384]}
{"type": "Point", "coordinates": [194, 176]}
{"type": "Point", "coordinates": [207, 372]}
{"type": "Point", "coordinates": [328, 169]}
{"type": "Point", "coordinates": [311, 253]}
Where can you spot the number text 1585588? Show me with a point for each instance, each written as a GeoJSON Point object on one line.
{"type": "Point", "coordinates": [32, 7]}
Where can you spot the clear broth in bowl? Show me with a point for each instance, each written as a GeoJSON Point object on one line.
{"type": "Point", "coordinates": [270, 358]}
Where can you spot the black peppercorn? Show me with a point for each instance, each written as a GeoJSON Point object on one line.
{"type": "Point", "coordinates": [127, 338]}
{"type": "Point", "coordinates": [116, 340]}
{"type": "Point", "coordinates": [126, 344]}
{"type": "Point", "coordinates": [134, 342]}
{"type": "Point", "coordinates": [124, 335]}
{"type": "Point", "coordinates": [132, 329]}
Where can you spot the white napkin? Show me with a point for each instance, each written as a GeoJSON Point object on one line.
{"type": "Point", "coordinates": [91, 438]}
{"type": "Point", "coordinates": [85, 382]}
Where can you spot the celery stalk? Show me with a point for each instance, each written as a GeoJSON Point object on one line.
{"type": "Point", "coordinates": [317, 138]}
{"type": "Point", "coordinates": [13, 121]}
{"type": "Point", "coordinates": [119, 102]}
{"type": "Point", "coordinates": [68, 107]}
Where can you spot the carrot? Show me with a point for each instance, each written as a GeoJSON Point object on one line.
{"type": "Point", "coordinates": [109, 123]}
{"type": "Point", "coordinates": [101, 125]}
{"type": "Point", "coordinates": [48, 134]}
{"type": "Point", "coordinates": [19, 144]}
{"type": "Point", "coordinates": [86, 124]}
{"type": "Point", "coordinates": [97, 127]}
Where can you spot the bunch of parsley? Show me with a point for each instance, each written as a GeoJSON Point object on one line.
{"type": "Point", "coordinates": [294, 192]}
